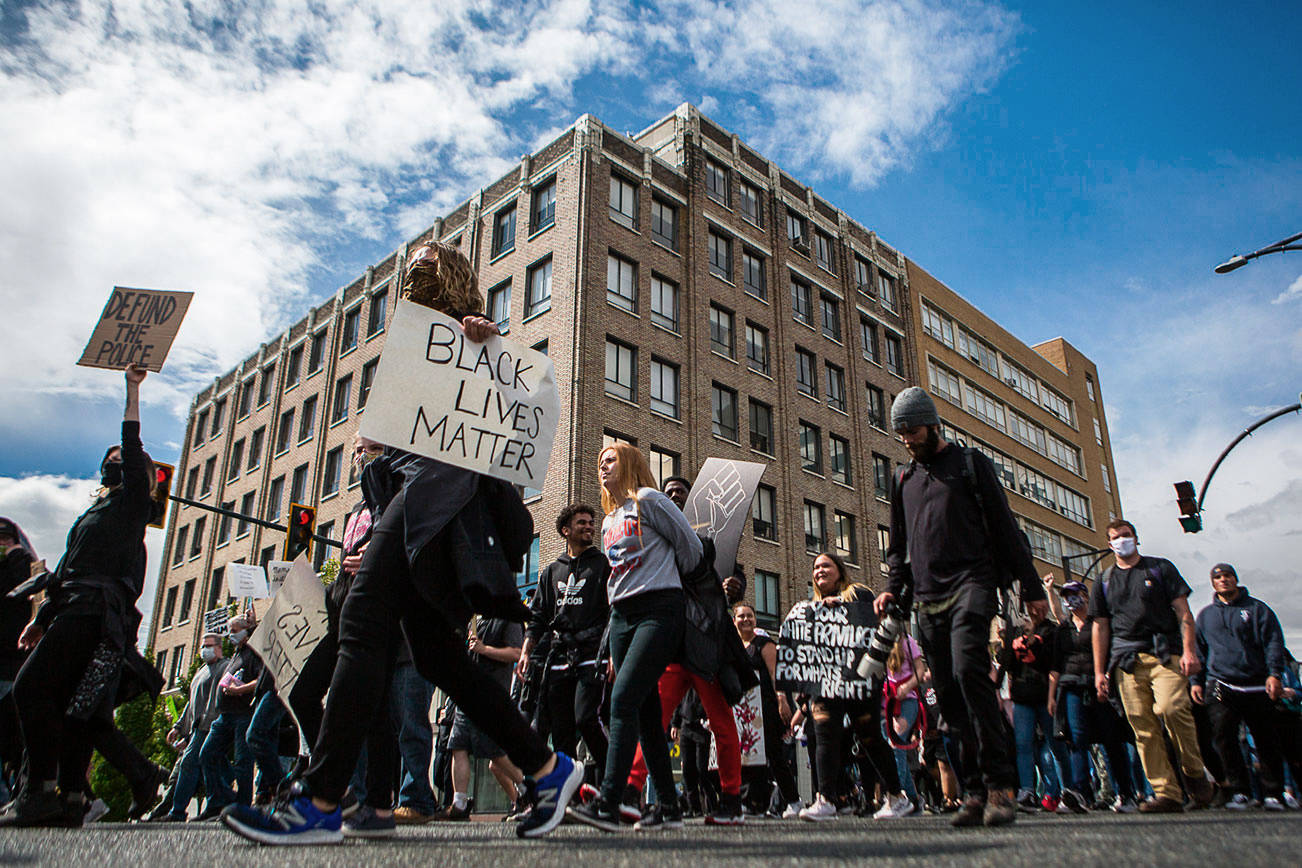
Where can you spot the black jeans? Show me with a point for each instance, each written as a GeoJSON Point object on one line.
{"type": "Point", "coordinates": [1227, 709]}
{"type": "Point", "coordinates": [58, 746]}
{"type": "Point", "coordinates": [775, 750]}
{"type": "Point", "coordinates": [956, 645]}
{"type": "Point", "coordinates": [574, 708]}
{"type": "Point", "coordinates": [383, 598]}
{"type": "Point", "coordinates": [866, 723]}
{"type": "Point", "coordinates": [646, 635]}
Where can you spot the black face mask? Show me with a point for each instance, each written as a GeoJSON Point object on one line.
{"type": "Point", "coordinates": [110, 474]}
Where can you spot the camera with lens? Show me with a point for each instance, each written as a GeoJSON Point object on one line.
{"type": "Point", "coordinates": [881, 641]}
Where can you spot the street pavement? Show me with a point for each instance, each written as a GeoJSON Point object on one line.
{"type": "Point", "coordinates": [1207, 838]}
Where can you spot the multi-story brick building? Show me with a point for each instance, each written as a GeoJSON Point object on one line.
{"type": "Point", "coordinates": [696, 300]}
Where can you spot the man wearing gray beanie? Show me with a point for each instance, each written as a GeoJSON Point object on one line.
{"type": "Point", "coordinates": [953, 545]}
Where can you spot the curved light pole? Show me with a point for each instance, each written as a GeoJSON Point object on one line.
{"type": "Point", "coordinates": [1240, 260]}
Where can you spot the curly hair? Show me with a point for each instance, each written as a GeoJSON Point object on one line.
{"type": "Point", "coordinates": [567, 515]}
{"type": "Point", "coordinates": [439, 276]}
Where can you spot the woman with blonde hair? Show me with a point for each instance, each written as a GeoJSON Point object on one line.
{"type": "Point", "coordinates": [648, 541]}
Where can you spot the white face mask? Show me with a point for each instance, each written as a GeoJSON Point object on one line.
{"type": "Point", "coordinates": [1124, 546]}
{"type": "Point", "coordinates": [208, 654]}
{"type": "Point", "coordinates": [238, 636]}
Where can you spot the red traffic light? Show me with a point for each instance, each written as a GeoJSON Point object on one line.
{"type": "Point", "coordinates": [298, 539]}
{"type": "Point", "coordinates": [162, 491]}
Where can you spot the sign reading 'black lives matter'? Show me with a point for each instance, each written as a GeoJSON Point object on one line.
{"type": "Point", "coordinates": [490, 407]}
{"type": "Point", "coordinates": [820, 646]}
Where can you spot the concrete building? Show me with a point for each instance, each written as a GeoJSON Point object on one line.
{"type": "Point", "coordinates": [697, 301]}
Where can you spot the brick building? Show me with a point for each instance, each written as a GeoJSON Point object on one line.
{"type": "Point", "coordinates": [729, 311]}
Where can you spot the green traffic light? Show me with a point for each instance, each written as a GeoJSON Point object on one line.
{"type": "Point", "coordinates": [1191, 523]}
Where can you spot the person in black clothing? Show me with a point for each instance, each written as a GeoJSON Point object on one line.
{"type": "Point", "coordinates": [16, 558]}
{"type": "Point", "coordinates": [234, 712]}
{"type": "Point", "coordinates": [1026, 657]}
{"type": "Point", "coordinates": [80, 636]}
{"type": "Point", "coordinates": [953, 544]}
{"type": "Point", "coordinates": [763, 653]}
{"type": "Point", "coordinates": [570, 606]}
{"type": "Point", "coordinates": [1241, 648]}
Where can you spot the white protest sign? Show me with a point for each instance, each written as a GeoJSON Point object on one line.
{"type": "Point", "coordinates": [292, 627]}
{"type": "Point", "coordinates": [137, 327]}
{"type": "Point", "coordinates": [491, 407]}
{"type": "Point", "coordinates": [247, 580]}
{"type": "Point", "coordinates": [276, 573]}
{"type": "Point", "coordinates": [749, 714]}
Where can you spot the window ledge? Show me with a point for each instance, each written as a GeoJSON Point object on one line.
{"type": "Point", "coordinates": [666, 329]}
{"type": "Point", "coordinates": [624, 401]}
{"type": "Point", "coordinates": [768, 455]}
{"type": "Point", "coordinates": [536, 314]}
{"type": "Point", "coordinates": [663, 245]}
{"type": "Point", "coordinates": [760, 298]}
{"type": "Point", "coordinates": [723, 439]}
{"type": "Point", "coordinates": [847, 486]}
{"type": "Point", "coordinates": [632, 313]}
{"type": "Point", "coordinates": [720, 355]}
{"type": "Point", "coordinates": [331, 496]}
{"type": "Point", "coordinates": [540, 230]}
{"type": "Point", "coordinates": [765, 539]}
{"type": "Point", "coordinates": [501, 253]}
{"type": "Point", "coordinates": [812, 473]}
{"type": "Point", "coordinates": [337, 422]}
{"type": "Point", "coordinates": [666, 417]}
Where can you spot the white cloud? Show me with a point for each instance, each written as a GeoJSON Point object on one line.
{"type": "Point", "coordinates": [1293, 293]}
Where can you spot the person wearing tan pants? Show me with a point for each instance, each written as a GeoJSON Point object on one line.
{"type": "Point", "coordinates": [1153, 695]}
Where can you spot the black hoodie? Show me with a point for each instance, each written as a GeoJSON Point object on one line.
{"type": "Point", "coordinates": [571, 596]}
{"type": "Point", "coordinates": [1239, 642]}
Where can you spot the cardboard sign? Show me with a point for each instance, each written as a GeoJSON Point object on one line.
{"type": "Point", "coordinates": [137, 327]}
{"type": "Point", "coordinates": [216, 620]}
{"type": "Point", "coordinates": [247, 580]}
{"type": "Point", "coordinates": [820, 646]}
{"type": "Point", "coordinates": [719, 506]}
{"type": "Point", "coordinates": [491, 407]}
{"type": "Point", "coordinates": [292, 627]}
{"type": "Point", "coordinates": [749, 714]}
{"type": "Point", "coordinates": [276, 573]}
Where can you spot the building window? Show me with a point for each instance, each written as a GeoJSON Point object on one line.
{"type": "Point", "coordinates": [175, 674]}
{"type": "Point", "coordinates": [814, 521]}
{"type": "Point", "coordinates": [504, 230]}
{"type": "Point", "coordinates": [334, 463]}
{"type": "Point", "coordinates": [811, 448]}
{"type": "Point", "coordinates": [623, 201]}
{"type": "Point", "coordinates": [761, 427]}
{"type": "Point", "coordinates": [1107, 480]}
{"type": "Point", "coordinates": [527, 579]}
{"type": "Point", "coordinates": [538, 296]}
{"type": "Point", "coordinates": [721, 331]}
{"type": "Point", "coordinates": [298, 484]}
{"type": "Point", "coordinates": [863, 277]}
{"type": "Point", "coordinates": [610, 438]}
{"type": "Point", "coordinates": [835, 387]}
{"type": "Point", "coordinates": [307, 423]}
{"type": "Point", "coordinates": [1058, 406]}
{"type": "Point", "coordinates": [768, 602]}
{"type": "Point", "coordinates": [664, 222]}
{"type": "Point", "coordinates": [621, 370]}
{"type": "Point", "coordinates": [757, 348]}
{"type": "Point", "coordinates": [937, 325]}
{"type": "Point", "coordinates": [720, 255]}
{"type": "Point", "coordinates": [255, 447]}
{"type": "Point", "coordinates": [881, 476]}
{"type": "Point", "coordinates": [763, 513]}
{"type": "Point", "coordinates": [293, 366]}
{"type": "Point", "coordinates": [275, 496]}
{"type": "Point", "coordinates": [664, 464]}
{"type": "Point", "coordinates": [224, 524]}
{"type": "Point", "coordinates": [178, 546]}
{"type": "Point", "coordinates": [1064, 454]}
{"type": "Point", "coordinates": [838, 454]}
{"type": "Point", "coordinates": [883, 544]}
{"type": "Point", "coordinates": [621, 283]}
{"type": "Point", "coordinates": [894, 355]}
{"type": "Point", "coordinates": [664, 303]}
{"type": "Point", "coordinates": [806, 365]}
{"type": "Point", "coordinates": [245, 403]}
{"type": "Point", "coordinates": [868, 337]}
{"type": "Point", "coordinates": [192, 483]}
{"type": "Point", "coordinates": [945, 382]}
{"type": "Point", "coordinates": [236, 461]}
{"type": "Point", "coordinates": [319, 552]}
{"type": "Point", "coordinates": [886, 289]}
{"type": "Point", "coordinates": [349, 339]}
{"type": "Point", "coordinates": [247, 504]}
{"type": "Point", "coordinates": [316, 353]}
{"type": "Point", "coordinates": [543, 210]}
{"type": "Point", "coordinates": [723, 412]}
{"type": "Point", "coordinates": [343, 391]}
{"type": "Point", "coordinates": [749, 203]}
{"type": "Point", "coordinates": [823, 251]}
{"type": "Point", "coordinates": [368, 380]}
{"type": "Point", "coordinates": [218, 412]}
{"type": "Point", "coordinates": [196, 541]}
{"type": "Point", "coordinates": [752, 275]}
{"type": "Point", "coordinates": [209, 469]}
{"type": "Point", "coordinates": [802, 301]}
{"type": "Point", "coordinates": [830, 307]}
{"type": "Point", "coordinates": [540, 347]}
{"type": "Point", "coordinates": [160, 663]}
{"type": "Point", "coordinates": [1089, 387]}
{"type": "Point", "coordinates": [797, 232]}
{"type": "Point", "coordinates": [265, 387]}
{"type": "Point", "coordinates": [1098, 432]}
{"type": "Point", "coordinates": [716, 182]}
{"type": "Point", "coordinates": [201, 427]}
{"type": "Point", "coordinates": [187, 600]}
{"type": "Point", "coordinates": [664, 387]}
{"type": "Point", "coordinates": [843, 530]}
{"type": "Point", "coordinates": [499, 305]}
{"type": "Point", "coordinates": [379, 310]}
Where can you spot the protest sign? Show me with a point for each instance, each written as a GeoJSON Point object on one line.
{"type": "Point", "coordinates": [137, 327]}
{"type": "Point", "coordinates": [247, 580]}
{"type": "Point", "coordinates": [276, 572]}
{"type": "Point", "coordinates": [491, 407]}
{"type": "Point", "coordinates": [292, 627]}
{"type": "Point", "coordinates": [719, 506]}
{"type": "Point", "coordinates": [820, 646]}
{"type": "Point", "coordinates": [749, 714]}
{"type": "Point", "coordinates": [215, 621]}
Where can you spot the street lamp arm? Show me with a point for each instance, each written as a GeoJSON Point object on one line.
{"type": "Point", "coordinates": [1240, 260]}
{"type": "Point", "coordinates": [1247, 432]}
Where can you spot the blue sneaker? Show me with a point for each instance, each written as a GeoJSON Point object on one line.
{"type": "Point", "coordinates": [293, 821]}
{"type": "Point", "coordinates": [553, 793]}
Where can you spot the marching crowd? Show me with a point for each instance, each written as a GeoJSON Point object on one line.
{"type": "Point", "coordinates": [1004, 693]}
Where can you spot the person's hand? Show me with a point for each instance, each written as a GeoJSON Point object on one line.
{"type": "Point", "coordinates": [832, 601]}
{"type": "Point", "coordinates": [784, 709]}
{"type": "Point", "coordinates": [475, 645]}
{"type": "Point", "coordinates": [136, 375]}
{"type": "Point", "coordinates": [1053, 705]}
{"type": "Point", "coordinates": [351, 564]}
{"type": "Point", "coordinates": [673, 733]}
{"type": "Point", "coordinates": [1189, 665]}
{"type": "Point", "coordinates": [173, 737]}
{"type": "Point", "coordinates": [1038, 610]}
{"type": "Point", "coordinates": [521, 664]}
{"type": "Point", "coordinates": [1196, 692]}
{"type": "Point", "coordinates": [479, 329]}
{"type": "Point", "coordinates": [1274, 688]}
{"type": "Point", "coordinates": [1289, 693]}
{"type": "Point", "coordinates": [1101, 685]}
{"type": "Point", "coordinates": [610, 671]}
{"type": "Point", "coordinates": [31, 634]}
{"type": "Point", "coordinates": [883, 600]}
{"type": "Point", "coordinates": [732, 587]}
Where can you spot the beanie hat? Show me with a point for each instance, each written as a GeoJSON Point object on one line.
{"type": "Point", "coordinates": [911, 408]}
{"type": "Point", "coordinates": [1223, 570]}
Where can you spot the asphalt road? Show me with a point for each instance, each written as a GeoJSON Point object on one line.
{"type": "Point", "coordinates": [1196, 839]}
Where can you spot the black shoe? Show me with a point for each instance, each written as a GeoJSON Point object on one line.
{"type": "Point", "coordinates": [1074, 802]}
{"type": "Point", "coordinates": [348, 805]}
{"type": "Point", "coordinates": [728, 813]}
{"type": "Point", "coordinates": [44, 808]}
{"type": "Point", "coordinates": [454, 814]}
{"type": "Point", "coordinates": [146, 796]}
{"type": "Point", "coordinates": [596, 814]}
{"type": "Point", "coordinates": [210, 812]}
{"type": "Point", "coordinates": [659, 818]}
{"type": "Point", "coordinates": [971, 813]}
{"type": "Point", "coordinates": [630, 805]}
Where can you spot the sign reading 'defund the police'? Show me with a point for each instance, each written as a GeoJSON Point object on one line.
{"type": "Point", "coordinates": [820, 646]}
{"type": "Point", "coordinates": [137, 327]}
{"type": "Point", "coordinates": [490, 407]}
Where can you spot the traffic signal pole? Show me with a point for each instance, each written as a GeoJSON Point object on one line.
{"type": "Point", "coordinates": [324, 540]}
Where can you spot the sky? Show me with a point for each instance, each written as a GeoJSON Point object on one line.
{"type": "Point", "coordinates": [1071, 170]}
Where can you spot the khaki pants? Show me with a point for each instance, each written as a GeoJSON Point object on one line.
{"type": "Point", "coordinates": [1156, 691]}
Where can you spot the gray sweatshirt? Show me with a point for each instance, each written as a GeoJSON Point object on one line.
{"type": "Point", "coordinates": [647, 554]}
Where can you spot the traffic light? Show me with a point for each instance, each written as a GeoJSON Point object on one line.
{"type": "Point", "coordinates": [162, 490]}
{"type": "Point", "coordinates": [298, 539]}
{"type": "Point", "coordinates": [1190, 516]}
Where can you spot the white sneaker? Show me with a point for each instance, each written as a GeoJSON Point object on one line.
{"type": "Point", "coordinates": [98, 810]}
{"type": "Point", "coordinates": [894, 808]}
{"type": "Point", "coordinates": [1238, 802]}
{"type": "Point", "coordinates": [1125, 806]}
{"type": "Point", "coordinates": [819, 811]}
{"type": "Point", "coordinates": [1272, 804]}
{"type": "Point", "coordinates": [793, 811]}
{"type": "Point", "coordinates": [1291, 801]}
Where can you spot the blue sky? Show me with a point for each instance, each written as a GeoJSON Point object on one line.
{"type": "Point", "coordinates": [1071, 170]}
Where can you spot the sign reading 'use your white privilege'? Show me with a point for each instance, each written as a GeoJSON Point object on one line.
{"type": "Point", "coordinates": [491, 407]}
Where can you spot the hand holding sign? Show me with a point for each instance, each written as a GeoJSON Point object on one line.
{"type": "Point", "coordinates": [137, 327]}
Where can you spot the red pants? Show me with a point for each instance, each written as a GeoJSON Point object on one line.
{"type": "Point", "coordinates": [674, 685]}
